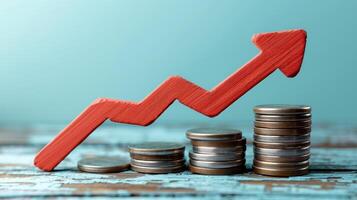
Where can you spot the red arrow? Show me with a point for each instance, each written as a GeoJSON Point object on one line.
{"type": "Point", "coordinates": [283, 50]}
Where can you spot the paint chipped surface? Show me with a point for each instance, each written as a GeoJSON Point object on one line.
{"type": "Point", "coordinates": [333, 168]}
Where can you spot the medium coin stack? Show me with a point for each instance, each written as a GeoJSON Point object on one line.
{"type": "Point", "coordinates": [282, 140]}
{"type": "Point", "coordinates": [157, 157]}
{"type": "Point", "coordinates": [216, 151]}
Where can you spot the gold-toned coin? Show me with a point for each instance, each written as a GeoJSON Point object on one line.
{"type": "Point", "coordinates": [156, 148]}
{"type": "Point", "coordinates": [282, 109]}
{"type": "Point", "coordinates": [275, 145]}
{"type": "Point", "coordinates": [280, 173]}
{"type": "Point", "coordinates": [210, 171]}
{"type": "Point", "coordinates": [287, 125]}
{"type": "Point", "coordinates": [103, 164]}
{"type": "Point", "coordinates": [167, 157]}
{"type": "Point", "coordinates": [270, 158]}
{"type": "Point", "coordinates": [221, 143]}
{"type": "Point", "coordinates": [157, 170]}
{"type": "Point", "coordinates": [213, 134]}
{"type": "Point", "coordinates": [279, 131]}
{"type": "Point", "coordinates": [217, 165]}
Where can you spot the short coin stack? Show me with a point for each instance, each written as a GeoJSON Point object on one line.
{"type": "Point", "coordinates": [282, 140]}
{"type": "Point", "coordinates": [157, 157]}
{"type": "Point", "coordinates": [216, 151]}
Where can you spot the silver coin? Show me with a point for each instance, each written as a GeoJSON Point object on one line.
{"type": "Point", "coordinates": [282, 118]}
{"type": "Point", "coordinates": [155, 170]}
{"type": "Point", "coordinates": [213, 134]}
{"type": "Point", "coordinates": [282, 109]}
{"type": "Point", "coordinates": [103, 164]}
{"type": "Point", "coordinates": [270, 158]}
{"type": "Point", "coordinates": [217, 165]}
{"type": "Point", "coordinates": [216, 150]}
{"type": "Point", "coordinates": [219, 143]}
{"type": "Point", "coordinates": [156, 148]}
{"type": "Point", "coordinates": [217, 157]}
{"type": "Point", "coordinates": [158, 164]}
{"type": "Point", "coordinates": [280, 131]}
{"type": "Point", "coordinates": [282, 152]}
{"type": "Point", "coordinates": [282, 139]}
{"type": "Point", "coordinates": [281, 165]}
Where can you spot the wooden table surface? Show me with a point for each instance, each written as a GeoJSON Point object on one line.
{"type": "Point", "coordinates": [333, 168]}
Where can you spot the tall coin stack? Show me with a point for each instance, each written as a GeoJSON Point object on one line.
{"type": "Point", "coordinates": [282, 140]}
{"type": "Point", "coordinates": [216, 151]}
{"type": "Point", "coordinates": [157, 157]}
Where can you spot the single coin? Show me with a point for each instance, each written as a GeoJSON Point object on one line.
{"type": "Point", "coordinates": [217, 165]}
{"type": "Point", "coordinates": [269, 158]}
{"type": "Point", "coordinates": [213, 134]}
{"type": "Point", "coordinates": [103, 164]}
{"type": "Point", "coordinates": [282, 152]}
{"type": "Point", "coordinates": [157, 170]}
{"type": "Point", "coordinates": [168, 157]}
{"type": "Point", "coordinates": [158, 164]}
{"type": "Point", "coordinates": [288, 145]}
{"type": "Point", "coordinates": [278, 131]}
{"type": "Point", "coordinates": [282, 118]}
{"type": "Point", "coordinates": [282, 138]}
{"type": "Point", "coordinates": [223, 143]}
{"type": "Point", "coordinates": [216, 150]}
{"type": "Point", "coordinates": [281, 165]}
{"type": "Point", "coordinates": [210, 171]}
{"type": "Point", "coordinates": [217, 157]}
{"type": "Point", "coordinates": [156, 148]}
{"type": "Point", "coordinates": [280, 173]}
{"type": "Point", "coordinates": [282, 109]}
{"type": "Point", "coordinates": [296, 124]}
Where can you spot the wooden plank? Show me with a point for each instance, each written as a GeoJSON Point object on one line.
{"type": "Point", "coordinates": [333, 168]}
{"type": "Point", "coordinates": [331, 177]}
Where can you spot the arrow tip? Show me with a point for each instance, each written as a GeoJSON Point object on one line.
{"type": "Point", "coordinates": [287, 47]}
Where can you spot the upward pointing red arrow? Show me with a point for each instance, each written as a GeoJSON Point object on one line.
{"type": "Point", "coordinates": [283, 50]}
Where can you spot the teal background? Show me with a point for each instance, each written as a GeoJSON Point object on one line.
{"type": "Point", "coordinates": [56, 57]}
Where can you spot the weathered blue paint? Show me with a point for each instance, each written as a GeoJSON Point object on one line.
{"type": "Point", "coordinates": [333, 171]}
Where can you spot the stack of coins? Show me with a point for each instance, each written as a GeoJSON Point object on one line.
{"type": "Point", "coordinates": [216, 151]}
{"type": "Point", "coordinates": [157, 157]}
{"type": "Point", "coordinates": [282, 140]}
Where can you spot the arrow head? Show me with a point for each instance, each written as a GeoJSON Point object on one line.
{"type": "Point", "coordinates": [285, 48]}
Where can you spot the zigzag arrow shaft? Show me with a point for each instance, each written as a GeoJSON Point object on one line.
{"type": "Point", "coordinates": [284, 50]}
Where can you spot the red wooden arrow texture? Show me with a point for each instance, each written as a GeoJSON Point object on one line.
{"type": "Point", "coordinates": [283, 50]}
